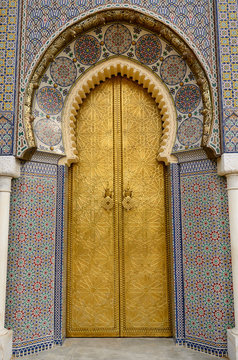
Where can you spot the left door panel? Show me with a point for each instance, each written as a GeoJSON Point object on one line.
{"type": "Point", "coordinates": [92, 282]}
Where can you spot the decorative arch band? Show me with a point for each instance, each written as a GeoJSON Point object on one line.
{"type": "Point", "coordinates": [136, 72]}
{"type": "Point", "coordinates": [142, 68]}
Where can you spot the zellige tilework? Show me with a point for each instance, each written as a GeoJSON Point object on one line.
{"type": "Point", "coordinates": [9, 18]}
{"type": "Point", "coordinates": [31, 258]}
{"type": "Point", "coordinates": [206, 258]}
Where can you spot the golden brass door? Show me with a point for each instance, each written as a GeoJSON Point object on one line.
{"type": "Point", "coordinates": [117, 282]}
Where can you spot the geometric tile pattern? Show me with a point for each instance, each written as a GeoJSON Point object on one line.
{"type": "Point", "coordinates": [60, 289]}
{"type": "Point", "coordinates": [87, 49]}
{"type": "Point", "coordinates": [228, 34]}
{"type": "Point", "coordinates": [190, 131]}
{"type": "Point", "coordinates": [173, 69]}
{"type": "Point", "coordinates": [230, 130]}
{"type": "Point", "coordinates": [6, 134]}
{"type": "Point", "coordinates": [187, 99]}
{"type": "Point", "coordinates": [192, 17]}
{"type": "Point", "coordinates": [50, 100]}
{"type": "Point", "coordinates": [148, 49]}
{"type": "Point", "coordinates": [63, 71]}
{"type": "Point", "coordinates": [48, 132]}
{"type": "Point", "coordinates": [208, 291]}
{"type": "Point", "coordinates": [227, 25]}
{"type": "Point", "coordinates": [117, 39]}
{"type": "Point", "coordinates": [98, 46]}
{"type": "Point", "coordinates": [8, 52]}
{"type": "Point", "coordinates": [174, 172]}
{"type": "Point", "coordinates": [31, 264]}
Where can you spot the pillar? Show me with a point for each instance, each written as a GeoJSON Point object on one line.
{"type": "Point", "coordinates": [228, 166]}
{"type": "Point", "coordinates": [9, 168]}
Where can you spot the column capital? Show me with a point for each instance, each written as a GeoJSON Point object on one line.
{"type": "Point", "coordinates": [227, 164]}
{"type": "Point", "coordinates": [5, 183]}
{"type": "Point", "coordinates": [9, 166]}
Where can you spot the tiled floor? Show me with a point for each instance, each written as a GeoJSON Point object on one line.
{"type": "Point", "coordinates": [120, 349]}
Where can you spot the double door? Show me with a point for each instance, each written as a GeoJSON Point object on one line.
{"type": "Point", "coordinates": [117, 266]}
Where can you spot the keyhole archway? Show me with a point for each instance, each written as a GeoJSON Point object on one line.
{"type": "Point", "coordinates": [136, 72]}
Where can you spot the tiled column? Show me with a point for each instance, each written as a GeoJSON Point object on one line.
{"type": "Point", "coordinates": [9, 168]}
{"type": "Point", "coordinates": [228, 166]}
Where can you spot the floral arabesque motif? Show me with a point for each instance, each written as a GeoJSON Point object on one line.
{"type": "Point", "coordinates": [87, 50]}
{"type": "Point", "coordinates": [188, 98]}
{"type": "Point", "coordinates": [63, 71]}
{"type": "Point", "coordinates": [148, 49]}
{"type": "Point", "coordinates": [173, 69]}
{"type": "Point", "coordinates": [50, 100]}
{"type": "Point", "coordinates": [48, 132]}
{"type": "Point", "coordinates": [190, 131]}
{"type": "Point", "coordinates": [117, 39]}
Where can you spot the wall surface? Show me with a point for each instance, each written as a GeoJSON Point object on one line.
{"type": "Point", "coordinates": [31, 257]}
{"type": "Point", "coordinates": [202, 262]}
{"type": "Point", "coordinates": [201, 248]}
{"type": "Point", "coordinates": [9, 23]}
{"type": "Point", "coordinates": [227, 33]}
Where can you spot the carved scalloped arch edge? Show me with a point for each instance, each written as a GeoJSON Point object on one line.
{"type": "Point", "coordinates": [136, 72]}
{"type": "Point", "coordinates": [99, 19]}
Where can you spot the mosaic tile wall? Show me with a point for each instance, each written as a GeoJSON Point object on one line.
{"type": "Point", "coordinates": [31, 258]}
{"type": "Point", "coordinates": [99, 45]}
{"type": "Point", "coordinates": [60, 259]}
{"type": "Point", "coordinates": [204, 250]}
{"type": "Point", "coordinates": [9, 20]}
{"type": "Point", "coordinates": [227, 23]}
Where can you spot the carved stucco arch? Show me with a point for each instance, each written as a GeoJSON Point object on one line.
{"type": "Point", "coordinates": [100, 19]}
{"type": "Point", "coordinates": [136, 72]}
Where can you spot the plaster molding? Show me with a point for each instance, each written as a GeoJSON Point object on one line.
{"type": "Point", "coordinates": [227, 164]}
{"type": "Point", "coordinates": [232, 344]}
{"type": "Point", "coordinates": [9, 166]}
{"type": "Point", "coordinates": [6, 345]}
{"type": "Point", "coordinates": [5, 183]}
{"type": "Point", "coordinates": [100, 19]}
{"type": "Point", "coordinates": [136, 72]}
{"type": "Point", "coordinates": [232, 183]}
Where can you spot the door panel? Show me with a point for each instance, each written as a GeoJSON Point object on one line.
{"type": "Point", "coordinates": [144, 276]}
{"type": "Point", "coordinates": [93, 285]}
{"type": "Point", "coordinates": [117, 282]}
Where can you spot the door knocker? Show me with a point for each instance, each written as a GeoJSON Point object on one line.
{"type": "Point", "coordinates": [127, 202]}
{"type": "Point", "coordinates": [107, 202]}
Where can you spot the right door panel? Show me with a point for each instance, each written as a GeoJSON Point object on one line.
{"type": "Point", "coordinates": [144, 302]}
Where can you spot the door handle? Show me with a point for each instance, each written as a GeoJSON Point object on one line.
{"type": "Point", "coordinates": [127, 201]}
{"type": "Point", "coordinates": [107, 202]}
